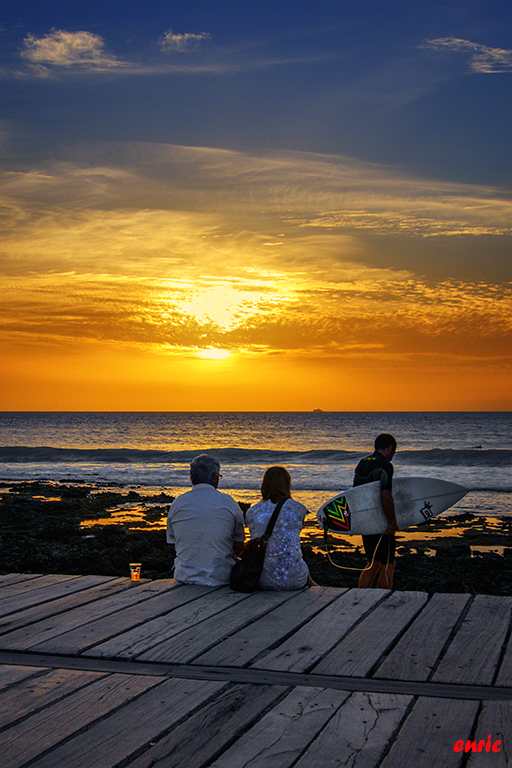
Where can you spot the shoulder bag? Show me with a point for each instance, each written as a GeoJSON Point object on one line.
{"type": "Point", "coordinates": [247, 570]}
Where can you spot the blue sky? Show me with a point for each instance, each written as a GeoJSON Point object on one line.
{"type": "Point", "coordinates": [348, 161]}
{"type": "Point", "coordinates": [355, 78]}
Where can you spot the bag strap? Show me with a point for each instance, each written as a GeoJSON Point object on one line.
{"type": "Point", "coordinates": [272, 521]}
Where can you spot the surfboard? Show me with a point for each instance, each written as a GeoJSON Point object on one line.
{"type": "Point", "coordinates": [359, 510]}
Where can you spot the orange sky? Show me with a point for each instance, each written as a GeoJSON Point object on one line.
{"type": "Point", "coordinates": [227, 205]}
{"type": "Point", "coordinates": [178, 278]}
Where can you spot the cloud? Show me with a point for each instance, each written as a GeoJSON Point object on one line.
{"type": "Point", "coordinates": [163, 205]}
{"type": "Point", "coordinates": [170, 249]}
{"type": "Point", "coordinates": [374, 314]}
{"type": "Point", "coordinates": [60, 52]}
{"type": "Point", "coordinates": [82, 50]}
{"type": "Point", "coordinates": [183, 43]}
{"type": "Point", "coordinates": [482, 58]}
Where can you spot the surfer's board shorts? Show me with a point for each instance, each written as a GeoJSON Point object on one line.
{"type": "Point", "coordinates": [380, 545]}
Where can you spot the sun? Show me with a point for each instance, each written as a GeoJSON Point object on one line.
{"type": "Point", "coordinates": [213, 354]}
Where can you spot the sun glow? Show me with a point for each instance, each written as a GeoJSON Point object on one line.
{"type": "Point", "coordinates": [213, 354]}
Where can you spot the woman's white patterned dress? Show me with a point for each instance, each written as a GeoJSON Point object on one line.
{"type": "Point", "coordinates": [284, 566]}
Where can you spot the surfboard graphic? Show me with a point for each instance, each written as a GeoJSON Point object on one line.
{"type": "Point", "coordinates": [358, 511]}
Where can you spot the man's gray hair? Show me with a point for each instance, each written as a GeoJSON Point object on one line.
{"type": "Point", "coordinates": [203, 468]}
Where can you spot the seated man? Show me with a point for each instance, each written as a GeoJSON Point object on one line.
{"type": "Point", "coordinates": [206, 528]}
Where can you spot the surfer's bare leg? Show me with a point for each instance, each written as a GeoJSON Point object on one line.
{"type": "Point", "coordinates": [385, 580]}
{"type": "Point", "coordinates": [367, 576]}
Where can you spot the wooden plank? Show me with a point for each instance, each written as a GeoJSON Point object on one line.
{"type": "Point", "coordinates": [43, 611]}
{"type": "Point", "coordinates": [359, 733]}
{"type": "Point", "coordinates": [429, 733]}
{"type": "Point", "coordinates": [495, 720]}
{"type": "Point", "coordinates": [419, 649]}
{"type": "Point", "coordinates": [251, 641]}
{"type": "Point", "coordinates": [22, 583]}
{"type": "Point", "coordinates": [126, 732]}
{"type": "Point", "coordinates": [199, 638]}
{"type": "Point", "coordinates": [260, 676]}
{"type": "Point", "coordinates": [13, 578]}
{"type": "Point", "coordinates": [505, 670]}
{"type": "Point", "coordinates": [28, 739]}
{"type": "Point", "coordinates": [473, 655]}
{"type": "Point", "coordinates": [316, 638]}
{"type": "Point", "coordinates": [9, 675]}
{"type": "Point", "coordinates": [138, 640]}
{"type": "Point", "coordinates": [39, 691]}
{"type": "Point", "coordinates": [210, 730]}
{"type": "Point", "coordinates": [53, 626]}
{"type": "Point", "coordinates": [22, 595]}
{"type": "Point", "coordinates": [86, 636]}
{"type": "Point", "coordinates": [282, 735]}
{"type": "Point", "coordinates": [360, 650]}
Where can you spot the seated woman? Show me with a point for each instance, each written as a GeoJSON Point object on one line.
{"type": "Point", "coordinates": [284, 566]}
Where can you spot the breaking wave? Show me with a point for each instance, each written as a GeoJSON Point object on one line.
{"type": "Point", "coordinates": [434, 457]}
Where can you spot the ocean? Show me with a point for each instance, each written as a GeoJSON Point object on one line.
{"type": "Point", "coordinates": [150, 452]}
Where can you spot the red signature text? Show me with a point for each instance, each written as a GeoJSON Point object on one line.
{"type": "Point", "coordinates": [484, 745]}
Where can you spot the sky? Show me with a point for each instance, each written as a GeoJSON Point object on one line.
{"type": "Point", "coordinates": [256, 205]}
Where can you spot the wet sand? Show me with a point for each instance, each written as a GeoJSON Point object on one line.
{"type": "Point", "coordinates": [59, 528]}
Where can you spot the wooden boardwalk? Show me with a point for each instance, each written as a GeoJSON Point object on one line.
{"type": "Point", "coordinates": [97, 672]}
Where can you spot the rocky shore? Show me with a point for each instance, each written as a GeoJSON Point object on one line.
{"type": "Point", "coordinates": [71, 528]}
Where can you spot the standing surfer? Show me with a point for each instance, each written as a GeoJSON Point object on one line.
{"type": "Point", "coordinates": [379, 548]}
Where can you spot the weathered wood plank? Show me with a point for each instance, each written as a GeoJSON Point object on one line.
{"type": "Point", "coordinates": [282, 735]}
{"type": "Point", "coordinates": [417, 652]}
{"type": "Point", "coordinates": [21, 583]}
{"type": "Point", "coordinates": [359, 651]}
{"type": "Point", "coordinates": [28, 739]}
{"type": "Point", "coordinates": [358, 733]}
{"type": "Point", "coordinates": [505, 670]}
{"type": "Point", "coordinates": [322, 633]}
{"type": "Point", "coordinates": [13, 578]}
{"type": "Point", "coordinates": [24, 594]}
{"type": "Point", "coordinates": [40, 690]}
{"type": "Point", "coordinates": [210, 730]}
{"type": "Point", "coordinates": [93, 633]}
{"type": "Point", "coordinates": [473, 655]}
{"type": "Point", "coordinates": [429, 733]}
{"type": "Point", "coordinates": [44, 610]}
{"type": "Point", "coordinates": [201, 637]}
{"type": "Point", "coordinates": [55, 625]}
{"type": "Point", "coordinates": [247, 675]}
{"type": "Point", "coordinates": [126, 732]}
{"type": "Point", "coordinates": [205, 602]}
{"type": "Point", "coordinates": [495, 720]}
{"type": "Point", "coordinates": [249, 642]}
{"type": "Point", "coordinates": [13, 674]}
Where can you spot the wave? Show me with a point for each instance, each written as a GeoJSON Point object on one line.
{"type": "Point", "coordinates": [435, 457]}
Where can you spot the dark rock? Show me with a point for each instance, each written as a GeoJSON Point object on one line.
{"type": "Point", "coordinates": [453, 551]}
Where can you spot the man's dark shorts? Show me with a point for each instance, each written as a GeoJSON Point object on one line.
{"type": "Point", "coordinates": [385, 549]}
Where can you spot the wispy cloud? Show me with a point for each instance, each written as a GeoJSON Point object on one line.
{"type": "Point", "coordinates": [183, 42]}
{"type": "Point", "coordinates": [59, 53]}
{"type": "Point", "coordinates": [481, 57]}
{"type": "Point", "coordinates": [83, 51]}
{"type": "Point", "coordinates": [201, 203]}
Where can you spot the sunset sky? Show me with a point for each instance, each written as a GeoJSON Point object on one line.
{"type": "Point", "coordinates": [256, 205]}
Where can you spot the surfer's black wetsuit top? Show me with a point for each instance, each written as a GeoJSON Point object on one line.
{"type": "Point", "coordinates": [369, 470]}
{"type": "Point", "coordinates": [373, 468]}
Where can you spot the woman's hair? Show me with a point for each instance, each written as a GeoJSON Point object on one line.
{"type": "Point", "coordinates": [276, 483]}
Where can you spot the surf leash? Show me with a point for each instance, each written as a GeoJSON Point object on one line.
{"type": "Point", "coordinates": [346, 567]}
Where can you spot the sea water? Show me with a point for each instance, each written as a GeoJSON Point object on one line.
{"type": "Point", "coordinates": [152, 451]}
